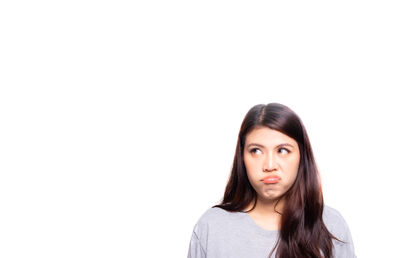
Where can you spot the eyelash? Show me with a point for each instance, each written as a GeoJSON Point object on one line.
{"type": "Point", "coordinates": [253, 150]}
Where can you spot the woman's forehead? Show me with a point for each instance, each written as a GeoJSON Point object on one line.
{"type": "Point", "coordinates": [268, 136]}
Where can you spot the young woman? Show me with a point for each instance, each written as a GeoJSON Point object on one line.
{"type": "Point", "coordinates": [273, 204]}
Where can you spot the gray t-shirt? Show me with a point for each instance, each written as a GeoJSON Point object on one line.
{"type": "Point", "coordinates": [219, 234]}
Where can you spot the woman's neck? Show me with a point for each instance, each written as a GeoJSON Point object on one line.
{"type": "Point", "coordinates": [267, 213]}
{"type": "Point", "coordinates": [267, 207]}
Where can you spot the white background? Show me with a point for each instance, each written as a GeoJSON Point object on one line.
{"type": "Point", "coordinates": [119, 119]}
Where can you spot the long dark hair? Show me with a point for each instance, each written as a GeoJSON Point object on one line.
{"type": "Point", "coordinates": [302, 231]}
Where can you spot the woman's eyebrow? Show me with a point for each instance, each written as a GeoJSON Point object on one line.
{"type": "Point", "coordinates": [262, 146]}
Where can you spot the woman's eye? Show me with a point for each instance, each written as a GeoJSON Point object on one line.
{"type": "Point", "coordinates": [286, 151]}
{"type": "Point", "coordinates": [255, 150]}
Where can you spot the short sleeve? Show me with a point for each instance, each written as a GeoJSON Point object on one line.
{"type": "Point", "coordinates": [346, 249]}
{"type": "Point", "coordinates": [338, 226]}
{"type": "Point", "coordinates": [195, 248]}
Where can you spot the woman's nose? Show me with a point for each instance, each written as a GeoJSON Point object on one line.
{"type": "Point", "coordinates": [269, 164]}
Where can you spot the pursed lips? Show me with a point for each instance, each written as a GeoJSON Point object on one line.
{"type": "Point", "coordinates": [271, 179]}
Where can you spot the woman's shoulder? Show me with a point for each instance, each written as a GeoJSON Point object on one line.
{"type": "Point", "coordinates": [215, 214]}
{"type": "Point", "coordinates": [214, 217]}
{"type": "Point", "coordinates": [332, 213]}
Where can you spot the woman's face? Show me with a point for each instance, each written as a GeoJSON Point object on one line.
{"type": "Point", "coordinates": [273, 156]}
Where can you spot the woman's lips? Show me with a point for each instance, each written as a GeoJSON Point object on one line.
{"type": "Point", "coordinates": [271, 179]}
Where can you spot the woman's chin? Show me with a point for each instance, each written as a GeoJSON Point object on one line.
{"type": "Point", "coordinates": [269, 197]}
